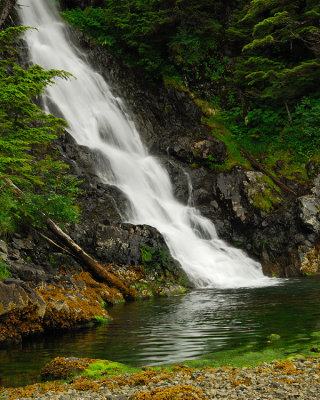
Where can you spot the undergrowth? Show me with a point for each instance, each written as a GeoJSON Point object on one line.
{"type": "Point", "coordinates": [4, 270]}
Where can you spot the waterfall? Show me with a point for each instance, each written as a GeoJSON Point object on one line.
{"type": "Point", "coordinates": [100, 121]}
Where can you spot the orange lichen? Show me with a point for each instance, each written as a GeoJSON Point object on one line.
{"type": "Point", "coordinates": [141, 378]}
{"type": "Point", "coordinates": [67, 307]}
{"type": "Point", "coordinates": [311, 261]}
{"type": "Point", "coordinates": [183, 368]}
{"type": "Point", "coordinates": [287, 367]}
{"type": "Point", "coordinates": [84, 384]}
{"type": "Point", "coordinates": [19, 323]}
{"type": "Point", "coordinates": [33, 390]}
{"type": "Point", "coordinates": [63, 368]}
{"type": "Point", "coordinates": [180, 392]}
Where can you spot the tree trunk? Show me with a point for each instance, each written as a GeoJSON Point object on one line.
{"type": "Point", "coordinates": [86, 261]}
{"type": "Point", "coordinates": [91, 265]}
{"type": "Point", "coordinates": [8, 6]}
{"type": "Point", "coordinates": [256, 164]}
{"type": "Point", "coordinates": [288, 112]}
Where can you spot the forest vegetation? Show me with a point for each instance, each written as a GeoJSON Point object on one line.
{"type": "Point", "coordinates": [28, 158]}
{"type": "Point", "coordinates": [253, 66]}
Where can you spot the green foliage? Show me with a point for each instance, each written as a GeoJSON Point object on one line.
{"type": "Point", "coordinates": [280, 53]}
{"type": "Point", "coordinates": [304, 134]}
{"type": "Point", "coordinates": [4, 270]}
{"type": "Point", "coordinates": [27, 155]}
{"type": "Point", "coordinates": [257, 62]}
{"type": "Point", "coordinates": [264, 130]}
{"type": "Point", "coordinates": [9, 210]}
{"type": "Point", "coordinates": [157, 37]}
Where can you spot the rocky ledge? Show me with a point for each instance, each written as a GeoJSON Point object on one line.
{"type": "Point", "coordinates": [47, 289]}
{"type": "Point", "coordinates": [296, 379]}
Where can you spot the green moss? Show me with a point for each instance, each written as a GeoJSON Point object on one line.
{"type": "Point", "coordinates": [234, 155]}
{"type": "Point", "coordinates": [4, 270]}
{"type": "Point", "coordinates": [273, 337]}
{"type": "Point", "coordinates": [100, 369]}
{"type": "Point", "coordinates": [249, 355]}
{"type": "Point", "coordinates": [103, 303]}
{"type": "Point", "coordinates": [176, 82]}
{"type": "Point", "coordinates": [101, 320]}
{"type": "Point", "coordinates": [254, 353]}
{"type": "Point", "coordinates": [284, 165]}
{"type": "Point", "coordinates": [267, 198]}
{"type": "Point", "coordinates": [209, 109]}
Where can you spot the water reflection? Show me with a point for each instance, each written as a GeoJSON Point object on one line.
{"type": "Point", "coordinates": [192, 326]}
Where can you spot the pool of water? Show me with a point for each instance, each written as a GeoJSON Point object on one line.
{"type": "Point", "coordinates": [202, 324]}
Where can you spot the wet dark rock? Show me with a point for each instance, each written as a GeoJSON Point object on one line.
{"type": "Point", "coordinates": [309, 207]}
{"type": "Point", "coordinates": [3, 247]}
{"type": "Point", "coordinates": [29, 273]}
{"type": "Point", "coordinates": [122, 243]}
{"type": "Point", "coordinates": [16, 295]}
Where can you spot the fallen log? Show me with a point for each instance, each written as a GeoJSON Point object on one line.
{"type": "Point", "coordinates": [7, 8]}
{"type": "Point", "coordinates": [86, 261]}
{"type": "Point", "coordinates": [256, 164]}
{"type": "Point", "coordinates": [89, 263]}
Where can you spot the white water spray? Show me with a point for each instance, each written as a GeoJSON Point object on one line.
{"type": "Point", "coordinates": [99, 121]}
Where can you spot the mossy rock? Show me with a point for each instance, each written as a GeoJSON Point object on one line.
{"type": "Point", "coordinates": [274, 337]}
{"type": "Point", "coordinates": [63, 368]}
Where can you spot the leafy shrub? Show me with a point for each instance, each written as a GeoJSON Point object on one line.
{"type": "Point", "coordinates": [4, 270]}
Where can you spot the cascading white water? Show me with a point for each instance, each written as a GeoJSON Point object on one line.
{"type": "Point", "coordinates": [98, 120]}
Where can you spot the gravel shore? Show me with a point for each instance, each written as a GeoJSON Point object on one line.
{"type": "Point", "coordinates": [296, 379]}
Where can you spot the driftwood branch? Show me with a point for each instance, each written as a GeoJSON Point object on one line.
{"type": "Point", "coordinates": [7, 8]}
{"type": "Point", "coordinates": [88, 263]}
{"type": "Point", "coordinates": [256, 164]}
{"type": "Point", "coordinates": [54, 243]}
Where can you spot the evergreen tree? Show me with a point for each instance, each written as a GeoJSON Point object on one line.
{"type": "Point", "coordinates": [280, 59]}
{"type": "Point", "coordinates": [27, 156]}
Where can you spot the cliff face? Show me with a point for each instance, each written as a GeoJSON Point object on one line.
{"type": "Point", "coordinates": [277, 228]}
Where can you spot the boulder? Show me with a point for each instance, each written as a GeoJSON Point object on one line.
{"type": "Point", "coordinates": [16, 295]}
{"type": "Point", "coordinates": [310, 212]}
{"type": "Point", "coordinates": [122, 243]}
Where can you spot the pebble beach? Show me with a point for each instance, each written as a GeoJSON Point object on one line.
{"type": "Point", "coordinates": [295, 379]}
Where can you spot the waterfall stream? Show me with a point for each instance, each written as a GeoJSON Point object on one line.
{"type": "Point", "coordinates": [100, 121]}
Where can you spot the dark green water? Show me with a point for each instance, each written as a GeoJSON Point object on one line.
{"type": "Point", "coordinates": [216, 325]}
